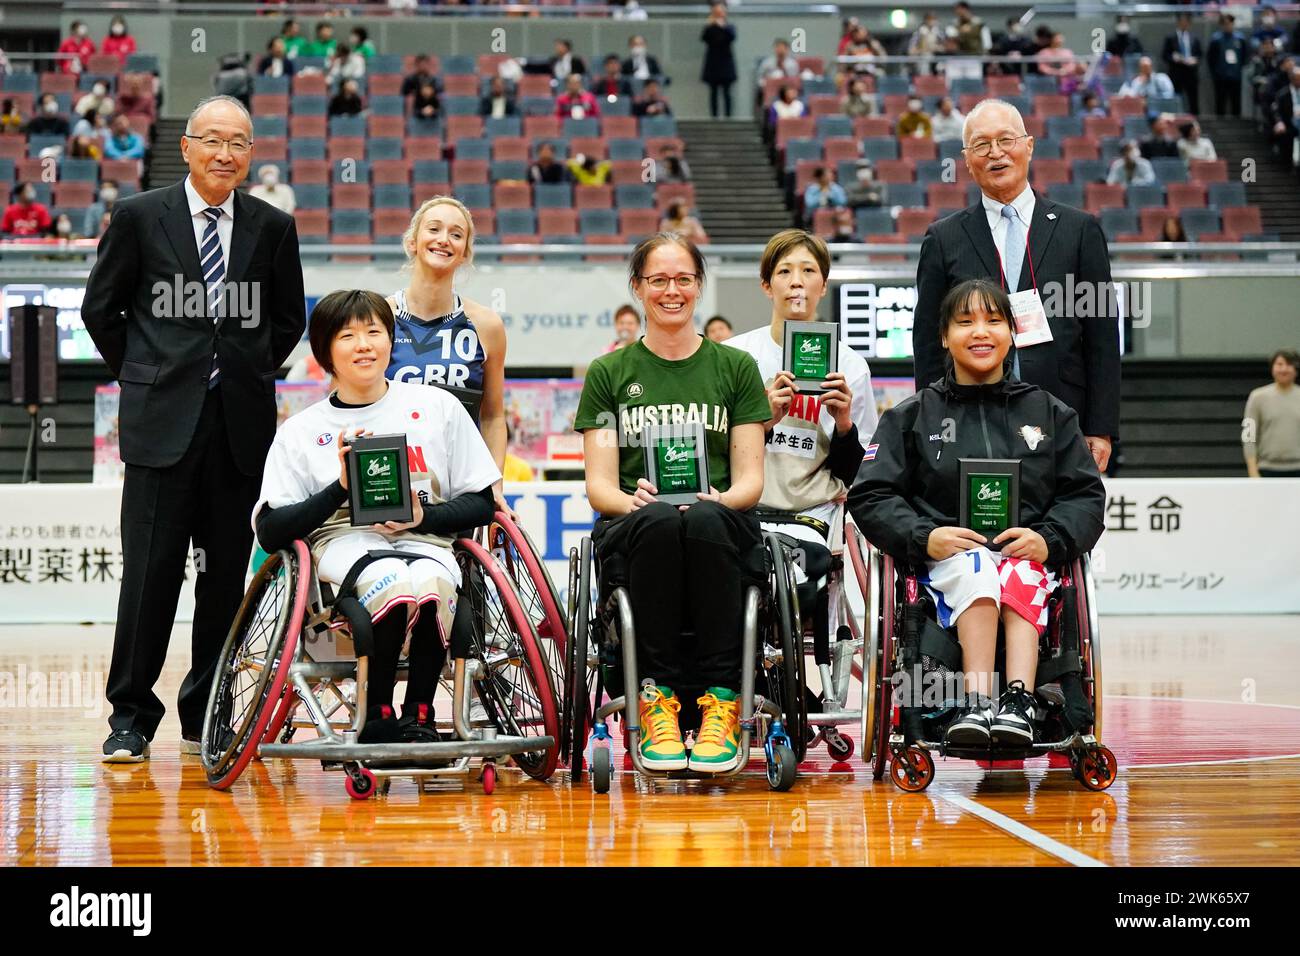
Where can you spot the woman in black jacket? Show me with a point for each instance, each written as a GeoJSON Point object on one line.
{"type": "Point", "coordinates": [906, 498]}
{"type": "Point", "coordinates": [719, 62]}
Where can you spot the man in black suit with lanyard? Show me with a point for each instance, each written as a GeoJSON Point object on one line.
{"type": "Point", "coordinates": [195, 301]}
{"type": "Point", "coordinates": [1052, 260]}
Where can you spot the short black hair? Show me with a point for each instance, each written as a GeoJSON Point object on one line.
{"type": "Point", "coordinates": [960, 297]}
{"type": "Point", "coordinates": [717, 318]}
{"type": "Point", "coordinates": [1291, 356]}
{"type": "Point", "coordinates": [336, 311]}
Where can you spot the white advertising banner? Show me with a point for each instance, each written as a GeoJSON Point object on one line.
{"type": "Point", "coordinates": [1172, 546]}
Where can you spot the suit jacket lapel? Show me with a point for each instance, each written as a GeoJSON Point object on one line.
{"type": "Point", "coordinates": [976, 224]}
{"type": "Point", "coordinates": [1041, 231]}
{"type": "Point", "coordinates": [178, 225]}
{"type": "Point", "coordinates": [243, 238]}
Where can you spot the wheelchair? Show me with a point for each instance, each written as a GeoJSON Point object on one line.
{"type": "Point", "coordinates": [909, 653]}
{"type": "Point", "coordinates": [601, 661]}
{"type": "Point", "coordinates": [286, 666]}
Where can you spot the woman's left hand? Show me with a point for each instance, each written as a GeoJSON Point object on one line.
{"type": "Point", "coordinates": [1022, 543]}
{"type": "Point", "coordinates": [838, 400]}
{"type": "Point", "coordinates": [391, 528]}
{"type": "Point", "coordinates": [711, 495]}
{"type": "Point", "coordinates": [499, 497]}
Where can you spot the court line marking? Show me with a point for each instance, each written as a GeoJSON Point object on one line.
{"type": "Point", "coordinates": [1034, 838]}
{"type": "Point", "coordinates": [1209, 763]}
{"type": "Point", "coordinates": [1198, 700]}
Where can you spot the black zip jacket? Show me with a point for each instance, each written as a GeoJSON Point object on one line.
{"type": "Point", "coordinates": [909, 486]}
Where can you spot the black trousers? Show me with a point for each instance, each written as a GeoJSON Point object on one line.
{"type": "Point", "coordinates": [1227, 97]}
{"type": "Point", "coordinates": [684, 570]}
{"type": "Point", "coordinates": [1279, 473]}
{"type": "Point", "coordinates": [716, 90]}
{"type": "Point", "coordinates": [202, 498]}
{"type": "Point", "coordinates": [1187, 80]}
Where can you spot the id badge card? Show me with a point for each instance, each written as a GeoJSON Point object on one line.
{"type": "Point", "coordinates": [1230, 57]}
{"type": "Point", "coordinates": [1030, 318]}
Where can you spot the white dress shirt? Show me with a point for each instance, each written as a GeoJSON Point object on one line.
{"type": "Point", "coordinates": [225, 225]}
{"type": "Point", "coordinates": [1024, 207]}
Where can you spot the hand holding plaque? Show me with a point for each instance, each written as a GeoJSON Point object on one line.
{"type": "Point", "coordinates": [812, 351]}
{"type": "Point", "coordinates": [989, 495]}
{"type": "Point", "coordinates": [677, 462]}
{"type": "Point", "coordinates": [379, 480]}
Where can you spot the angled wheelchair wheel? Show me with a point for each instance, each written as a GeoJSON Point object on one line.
{"type": "Point", "coordinates": [254, 665]}
{"type": "Point", "coordinates": [578, 695]}
{"type": "Point", "coordinates": [516, 690]}
{"type": "Point", "coordinates": [785, 680]}
{"type": "Point", "coordinates": [885, 626]}
{"type": "Point", "coordinates": [1089, 639]}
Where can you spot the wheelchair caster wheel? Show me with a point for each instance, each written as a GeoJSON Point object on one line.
{"type": "Point", "coordinates": [912, 769]}
{"type": "Point", "coordinates": [1097, 769]}
{"type": "Point", "coordinates": [489, 778]}
{"type": "Point", "coordinates": [601, 770]}
{"type": "Point", "coordinates": [782, 768]}
{"type": "Point", "coordinates": [839, 747]}
{"type": "Point", "coordinates": [360, 784]}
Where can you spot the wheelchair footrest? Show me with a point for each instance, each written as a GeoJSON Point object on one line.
{"type": "Point", "coordinates": [447, 750]}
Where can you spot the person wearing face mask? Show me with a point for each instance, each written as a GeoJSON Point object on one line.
{"type": "Point", "coordinates": [119, 42]}
{"type": "Point", "coordinates": [48, 121]}
{"type": "Point", "coordinates": [1122, 42]}
{"type": "Point", "coordinates": [96, 101]}
{"type": "Point", "coordinates": [63, 227]}
{"type": "Point", "coordinates": [26, 217]}
{"type": "Point", "coordinates": [858, 101]}
{"type": "Point", "coordinates": [1013, 43]}
{"type": "Point", "coordinates": [269, 189]}
{"type": "Point", "coordinates": [1131, 169]}
{"type": "Point", "coordinates": [276, 62]}
{"type": "Point", "coordinates": [639, 63]}
{"type": "Point", "coordinates": [108, 192]}
{"type": "Point", "coordinates": [78, 43]}
{"type": "Point", "coordinates": [1268, 30]}
{"type": "Point", "coordinates": [1163, 141]}
{"type": "Point", "coordinates": [914, 122]}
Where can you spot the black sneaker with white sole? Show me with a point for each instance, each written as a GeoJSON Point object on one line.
{"type": "Point", "coordinates": [971, 729]}
{"type": "Point", "coordinates": [125, 746]}
{"type": "Point", "coordinates": [1014, 724]}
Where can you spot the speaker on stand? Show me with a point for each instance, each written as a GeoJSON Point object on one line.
{"type": "Point", "coordinates": [34, 370]}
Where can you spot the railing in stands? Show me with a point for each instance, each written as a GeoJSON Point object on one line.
{"type": "Point", "coordinates": [379, 9]}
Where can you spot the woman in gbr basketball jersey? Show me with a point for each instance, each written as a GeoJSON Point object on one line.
{"type": "Point", "coordinates": [907, 502]}
{"type": "Point", "coordinates": [689, 564]}
{"type": "Point", "coordinates": [304, 495]}
{"type": "Point", "coordinates": [444, 340]}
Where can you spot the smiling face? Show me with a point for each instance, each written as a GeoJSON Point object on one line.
{"type": "Point", "coordinates": [359, 353]}
{"type": "Point", "coordinates": [442, 239]}
{"type": "Point", "coordinates": [978, 338]}
{"type": "Point", "coordinates": [1283, 372]}
{"type": "Point", "coordinates": [1002, 174]}
{"type": "Point", "coordinates": [673, 307]}
{"type": "Point", "coordinates": [797, 285]}
{"type": "Point", "coordinates": [215, 172]}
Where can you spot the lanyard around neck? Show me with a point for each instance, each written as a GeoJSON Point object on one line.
{"type": "Point", "coordinates": [1002, 272]}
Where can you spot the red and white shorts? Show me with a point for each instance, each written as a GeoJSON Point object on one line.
{"type": "Point", "coordinates": [1018, 583]}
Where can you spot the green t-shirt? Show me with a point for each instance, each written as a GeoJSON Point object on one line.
{"type": "Point", "coordinates": [317, 48]}
{"type": "Point", "coordinates": [293, 45]}
{"type": "Point", "coordinates": [718, 387]}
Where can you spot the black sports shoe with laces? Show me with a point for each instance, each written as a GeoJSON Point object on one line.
{"type": "Point", "coordinates": [1014, 724]}
{"type": "Point", "coordinates": [381, 726]}
{"type": "Point", "coordinates": [971, 729]}
{"type": "Point", "coordinates": [125, 746]}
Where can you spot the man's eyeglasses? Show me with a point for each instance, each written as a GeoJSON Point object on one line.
{"type": "Point", "coordinates": [985, 146]}
{"type": "Point", "coordinates": [686, 280]}
{"type": "Point", "coordinates": [214, 143]}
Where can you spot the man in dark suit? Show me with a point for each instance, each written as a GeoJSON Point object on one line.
{"type": "Point", "coordinates": [195, 300]}
{"type": "Point", "coordinates": [1027, 242]}
{"type": "Point", "coordinates": [1182, 56]}
{"type": "Point", "coordinates": [1286, 116]}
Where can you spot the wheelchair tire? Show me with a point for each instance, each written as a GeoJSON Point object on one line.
{"type": "Point", "coordinates": [578, 699]}
{"type": "Point", "coordinates": [1096, 769]}
{"type": "Point", "coordinates": [783, 768]}
{"type": "Point", "coordinates": [788, 688]}
{"type": "Point", "coordinates": [1089, 640]}
{"type": "Point", "coordinates": [602, 770]}
{"type": "Point", "coordinates": [883, 663]}
{"type": "Point", "coordinates": [265, 629]}
{"type": "Point", "coordinates": [516, 692]}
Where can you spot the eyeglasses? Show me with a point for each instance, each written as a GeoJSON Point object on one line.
{"type": "Point", "coordinates": [1005, 143]}
{"type": "Point", "coordinates": [686, 280]}
{"type": "Point", "coordinates": [214, 143]}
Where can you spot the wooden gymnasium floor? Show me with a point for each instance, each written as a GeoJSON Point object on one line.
{"type": "Point", "coordinates": [1206, 778]}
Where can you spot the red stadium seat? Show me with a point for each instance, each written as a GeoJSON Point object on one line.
{"type": "Point", "coordinates": [794, 127]}
{"type": "Point", "coordinates": [461, 84]}
{"type": "Point", "coordinates": [466, 171]}
{"type": "Point", "coordinates": [803, 173]}
{"type": "Point", "coordinates": [815, 65]}
{"type": "Point", "coordinates": [1080, 147]}
{"type": "Point", "coordinates": [824, 104]}
{"type": "Point", "coordinates": [512, 196]}
{"type": "Point", "coordinates": [968, 101]}
{"type": "Point", "coordinates": [106, 63]}
{"type": "Point", "coordinates": [74, 194]}
{"type": "Point", "coordinates": [619, 127]}
{"type": "Point", "coordinates": [390, 223]}
{"type": "Point", "coordinates": [895, 170]}
{"type": "Point", "coordinates": [534, 85]}
{"type": "Point", "coordinates": [1242, 220]}
{"type": "Point", "coordinates": [895, 104]}
{"type": "Point", "coordinates": [270, 104]}
{"type": "Point", "coordinates": [350, 196]}
{"type": "Point", "coordinates": [928, 84]}
{"type": "Point", "coordinates": [422, 147]}
{"type": "Point", "coordinates": [557, 222]}
{"type": "Point", "coordinates": [346, 147]}
{"type": "Point", "coordinates": [312, 222]}
{"type": "Point", "coordinates": [13, 147]}
{"type": "Point", "coordinates": [309, 84]}
{"type": "Point", "coordinates": [999, 84]}
{"type": "Point", "coordinates": [120, 170]}
{"type": "Point", "coordinates": [390, 172]}
{"type": "Point", "coordinates": [1035, 126]}
{"type": "Point", "coordinates": [485, 220]}
{"type": "Point", "coordinates": [1180, 196]}
{"type": "Point", "coordinates": [308, 127]}
{"type": "Point", "coordinates": [915, 149]}
{"type": "Point", "coordinates": [386, 127]}
{"type": "Point", "coordinates": [947, 195]}
{"type": "Point", "coordinates": [869, 127]}
{"type": "Point", "coordinates": [1045, 172]}
{"type": "Point", "coordinates": [408, 63]}
{"type": "Point", "coordinates": [510, 147]}
{"type": "Point", "coordinates": [640, 222]}
{"type": "Point", "coordinates": [1051, 104]}
{"type": "Point", "coordinates": [271, 149]}
{"type": "Point", "coordinates": [489, 63]}
{"type": "Point", "coordinates": [772, 87]}
{"type": "Point", "coordinates": [913, 222]}
{"type": "Point", "coordinates": [1099, 196]}
{"type": "Point", "coordinates": [589, 146]}
{"type": "Point", "coordinates": [310, 171]}
{"type": "Point", "coordinates": [541, 127]}
{"type": "Point", "coordinates": [384, 84]}
{"type": "Point", "coordinates": [462, 127]}
{"type": "Point", "coordinates": [626, 172]}
{"type": "Point", "coordinates": [655, 145]}
{"type": "Point", "coordinates": [59, 83]}
{"type": "Point", "coordinates": [1102, 127]}
{"type": "Point", "coordinates": [667, 193]}
{"type": "Point", "coordinates": [1121, 106]}
{"type": "Point", "coordinates": [1208, 170]}
{"type": "Point", "coordinates": [593, 197]}
{"type": "Point", "coordinates": [840, 148]}
{"type": "Point", "coordinates": [1152, 219]}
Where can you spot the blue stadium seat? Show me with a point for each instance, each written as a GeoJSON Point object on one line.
{"type": "Point", "coordinates": [270, 126]}
{"type": "Point", "coordinates": [475, 195]}
{"type": "Point", "coordinates": [552, 195]}
{"type": "Point", "coordinates": [392, 196]}
{"type": "Point", "coordinates": [505, 169]}
{"type": "Point", "coordinates": [797, 150]}
{"type": "Point", "coordinates": [421, 128]}
{"type": "Point", "coordinates": [951, 148]}
{"type": "Point", "coordinates": [459, 64]}
{"type": "Point", "coordinates": [7, 172]}
{"type": "Point", "coordinates": [350, 171]}
{"type": "Point", "coordinates": [494, 126]}
{"type": "Point", "coordinates": [37, 143]}
{"type": "Point", "coordinates": [635, 196]}
{"type": "Point", "coordinates": [460, 106]}
{"type": "Point", "coordinates": [384, 148]}
{"type": "Point", "coordinates": [1111, 84]}
{"type": "Point", "coordinates": [597, 222]}
{"type": "Point", "coordinates": [905, 194]}
{"type": "Point", "coordinates": [312, 196]}
{"type": "Point", "coordinates": [658, 126]}
{"type": "Point", "coordinates": [626, 149]}
{"type": "Point", "coordinates": [893, 86]}
{"type": "Point", "coordinates": [1116, 222]}
{"type": "Point", "coordinates": [347, 126]}
{"type": "Point", "coordinates": [1227, 194]}
{"type": "Point", "coordinates": [879, 147]}
{"type": "Point", "coordinates": [1022, 103]}
{"type": "Point", "coordinates": [387, 106]}
{"type": "Point", "coordinates": [516, 221]}
{"type": "Point", "coordinates": [1045, 148]}
{"type": "Point", "coordinates": [1036, 84]}
{"type": "Point", "coordinates": [1136, 127]}
{"type": "Point", "coordinates": [1169, 169]}
{"type": "Point", "coordinates": [537, 106]}
{"type": "Point", "coordinates": [1069, 194]}
{"type": "Point", "coordinates": [141, 63]}
{"type": "Point", "coordinates": [308, 104]}
{"type": "Point", "coordinates": [619, 106]}
{"type": "Point", "coordinates": [1090, 170]}
{"type": "Point", "coordinates": [828, 126]}
{"type": "Point", "coordinates": [965, 86]}
{"type": "Point", "coordinates": [873, 222]}
{"type": "Point", "coordinates": [846, 171]}
{"type": "Point", "coordinates": [1140, 197]}
{"type": "Point", "coordinates": [307, 147]}
{"type": "Point", "coordinates": [818, 86]}
{"type": "Point", "coordinates": [79, 170]}
{"type": "Point", "coordinates": [384, 63]}
{"type": "Point", "coordinates": [1059, 127]}
{"type": "Point", "coordinates": [1198, 221]}
{"type": "Point", "coordinates": [430, 171]}
{"type": "Point", "coordinates": [972, 194]}
{"type": "Point", "coordinates": [473, 149]}
{"type": "Point", "coordinates": [1165, 104]}
{"type": "Point", "coordinates": [270, 84]}
{"type": "Point", "coordinates": [587, 126]}
{"type": "Point", "coordinates": [929, 171]}
{"type": "Point", "coordinates": [350, 221]}
{"type": "Point", "coordinates": [42, 193]}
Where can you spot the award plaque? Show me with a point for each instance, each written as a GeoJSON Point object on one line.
{"type": "Point", "coordinates": [990, 495]}
{"type": "Point", "coordinates": [379, 480]}
{"type": "Point", "coordinates": [676, 461]}
{"type": "Point", "coordinates": [812, 351]}
{"type": "Point", "coordinates": [470, 398]}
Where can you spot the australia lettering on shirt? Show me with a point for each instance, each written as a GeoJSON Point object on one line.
{"type": "Point", "coordinates": [632, 420]}
{"type": "Point", "coordinates": [444, 351]}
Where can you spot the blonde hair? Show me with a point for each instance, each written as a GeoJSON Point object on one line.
{"type": "Point", "coordinates": [408, 237]}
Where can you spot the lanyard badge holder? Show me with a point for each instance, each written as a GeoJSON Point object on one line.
{"type": "Point", "coordinates": [1027, 310]}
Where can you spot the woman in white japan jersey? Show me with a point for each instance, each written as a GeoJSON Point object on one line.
{"type": "Point", "coordinates": [440, 338]}
{"type": "Point", "coordinates": [304, 495]}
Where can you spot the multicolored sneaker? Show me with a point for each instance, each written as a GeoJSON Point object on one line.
{"type": "Point", "coordinates": [661, 737]}
{"type": "Point", "coordinates": [971, 728]}
{"type": "Point", "coordinates": [717, 747]}
{"type": "Point", "coordinates": [1014, 724]}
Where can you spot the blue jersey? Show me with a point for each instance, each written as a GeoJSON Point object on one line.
{"type": "Point", "coordinates": [441, 351]}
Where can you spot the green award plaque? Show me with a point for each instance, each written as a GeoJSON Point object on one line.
{"type": "Point", "coordinates": [812, 351]}
{"type": "Point", "coordinates": [379, 480]}
{"type": "Point", "coordinates": [676, 461]}
{"type": "Point", "coordinates": [990, 495]}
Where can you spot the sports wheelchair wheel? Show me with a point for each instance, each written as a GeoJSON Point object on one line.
{"type": "Point", "coordinates": [1095, 768]}
{"type": "Point", "coordinates": [783, 634]}
{"type": "Point", "coordinates": [254, 665]}
{"type": "Point", "coordinates": [514, 550]}
{"type": "Point", "coordinates": [515, 689]}
{"type": "Point", "coordinates": [882, 621]}
{"type": "Point", "coordinates": [912, 769]}
{"type": "Point", "coordinates": [577, 703]}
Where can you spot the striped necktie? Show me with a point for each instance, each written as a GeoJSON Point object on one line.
{"type": "Point", "coordinates": [213, 264]}
{"type": "Point", "coordinates": [1013, 256]}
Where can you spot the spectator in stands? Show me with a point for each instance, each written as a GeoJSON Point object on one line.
{"type": "Point", "coordinates": [323, 45]}
{"type": "Point", "coordinates": [135, 97]}
{"type": "Point", "coordinates": [971, 33]}
{"type": "Point", "coordinates": [1261, 69]}
{"type": "Point", "coordinates": [1182, 56]}
{"type": "Point", "coordinates": [125, 143]}
{"type": "Point", "coordinates": [85, 146]}
{"type": "Point", "coordinates": [847, 26]}
{"type": "Point", "coordinates": [1057, 60]}
{"type": "Point", "coordinates": [719, 70]}
{"type": "Point", "coordinates": [575, 102]}
{"type": "Point", "coordinates": [294, 41]}
{"type": "Point", "coordinates": [62, 228]}
{"type": "Point", "coordinates": [100, 208]}
{"type": "Point", "coordinates": [1226, 56]}
{"type": "Point", "coordinates": [345, 63]}
{"type": "Point", "coordinates": [651, 102]}
{"type": "Point", "coordinates": [1193, 145]}
{"type": "Point", "coordinates": [947, 123]}
{"type": "Point", "coordinates": [628, 10]}
{"type": "Point", "coordinates": [857, 101]}
{"type": "Point", "coordinates": [48, 121]}
{"type": "Point", "coordinates": [588, 171]}
{"type": "Point", "coordinates": [1268, 30]}
{"type": "Point", "coordinates": [868, 48]}
{"type": "Point", "coordinates": [359, 41]}
{"type": "Point", "coordinates": [26, 217]}
{"type": "Point", "coordinates": [97, 100]}
{"type": "Point", "coordinates": [1092, 106]}
{"type": "Point", "coordinates": [425, 104]}
{"type": "Point", "coordinates": [926, 41]}
{"type": "Point", "coordinates": [914, 122]}
{"type": "Point", "coordinates": [1286, 113]}
{"type": "Point", "coordinates": [677, 218]}
{"type": "Point", "coordinates": [627, 323]}
{"type": "Point", "coordinates": [1163, 141]}
{"type": "Point", "coordinates": [611, 84]}
{"type": "Point", "coordinates": [1171, 230]}
{"type": "Point", "coordinates": [545, 169]}
{"type": "Point", "coordinates": [864, 192]}
{"type": "Point", "coordinates": [672, 168]}
{"type": "Point", "coordinates": [1122, 42]}
{"type": "Point", "coordinates": [563, 62]}
{"type": "Point", "coordinates": [276, 62]}
{"type": "Point", "coordinates": [95, 126]}
{"type": "Point", "coordinates": [119, 42]}
{"type": "Point", "coordinates": [1130, 168]}
{"type": "Point", "coordinates": [1013, 43]}
{"type": "Point", "coordinates": [842, 225]}
{"type": "Point", "coordinates": [1276, 83]}
{"type": "Point", "coordinates": [639, 64]}
{"type": "Point", "coordinates": [497, 102]}
{"type": "Point", "coordinates": [269, 189]}
{"type": "Point", "coordinates": [422, 75]}
{"type": "Point", "coordinates": [787, 105]}
{"type": "Point", "coordinates": [1270, 430]}
{"type": "Point", "coordinates": [822, 193]}
{"type": "Point", "coordinates": [79, 43]}
{"type": "Point", "coordinates": [11, 120]}
{"type": "Point", "coordinates": [347, 101]}
{"type": "Point", "coordinates": [778, 64]}
{"type": "Point", "coordinates": [233, 78]}
{"type": "Point", "coordinates": [717, 329]}
{"type": "Point", "coordinates": [1147, 82]}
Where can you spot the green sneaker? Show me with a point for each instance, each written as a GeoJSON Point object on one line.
{"type": "Point", "coordinates": [717, 747]}
{"type": "Point", "coordinates": [661, 737]}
